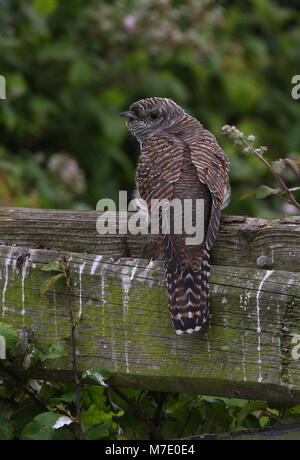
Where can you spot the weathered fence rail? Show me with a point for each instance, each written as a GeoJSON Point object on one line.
{"type": "Point", "coordinates": [247, 349]}
{"type": "Point", "coordinates": [275, 433]}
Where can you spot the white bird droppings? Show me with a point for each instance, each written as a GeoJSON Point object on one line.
{"type": "Point", "coordinates": [63, 420]}
{"type": "Point", "coordinates": [7, 262]}
{"type": "Point", "coordinates": [24, 268]}
{"type": "Point", "coordinates": [81, 268]}
{"type": "Point", "coordinates": [95, 264]}
{"type": "Point", "coordinates": [258, 329]}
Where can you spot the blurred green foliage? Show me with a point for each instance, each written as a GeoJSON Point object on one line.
{"type": "Point", "coordinates": [71, 67]}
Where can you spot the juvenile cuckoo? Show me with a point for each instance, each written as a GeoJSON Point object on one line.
{"type": "Point", "coordinates": [181, 160]}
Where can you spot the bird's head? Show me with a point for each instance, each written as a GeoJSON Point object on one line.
{"type": "Point", "coordinates": [151, 116]}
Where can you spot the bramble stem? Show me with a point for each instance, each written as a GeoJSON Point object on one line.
{"type": "Point", "coordinates": [73, 347]}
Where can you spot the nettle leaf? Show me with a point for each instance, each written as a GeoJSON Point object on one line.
{"type": "Point", "coordinates": [49, 282]}
{"type": "Point", "coordinates": [10, 335]}
{"type": "Point", "coordinates": [55, 351]}
{"type": "Point", "coordinates": [97, 374]}
{"type": "Point", "coordinates": [263, 191]}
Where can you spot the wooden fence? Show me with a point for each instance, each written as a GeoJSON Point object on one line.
{"type": "Point", "coordinates": [248, 349]}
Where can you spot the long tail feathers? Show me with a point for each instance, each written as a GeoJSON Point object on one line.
{"type": "Point", "coordinates": [188, 293]}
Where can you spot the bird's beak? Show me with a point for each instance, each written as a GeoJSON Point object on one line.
{"type": "Point", "coordinates": [128, 114]}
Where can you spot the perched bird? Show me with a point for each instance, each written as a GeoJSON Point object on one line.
{"type": "Point", "coordinates": [180, 159]}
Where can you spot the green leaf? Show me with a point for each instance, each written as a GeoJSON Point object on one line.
{"type": "Point", "coordinates": [97, 432]}
{"type": "Point", "coordinates": [216, 415]}
{"type": "Point", "coordinates": [49, 282]}
{"type": "Point", "coordinates": [42, 427]}
{"type": "Point", "coordinates": [95, 416]}
{"type": "Point", "coordinates": [55, 351]}
{"type": "Point", "coordinates": [6, 428]}
{"type": "Point", "coordinates": [95, 394]}
{"type": "Point", "coordinates": [10, 335]}
{"type": "Point", "coordinates": [67, 398]}
{"type": "Point", "coordinates": [295, 410]}
{"type": "Point", "coordinates": [263, 191]}
{"type": "Point", "coordinates": [250, 407]}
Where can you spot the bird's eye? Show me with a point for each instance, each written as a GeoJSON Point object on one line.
{"type": "Point", "coordinates": [153, 115]}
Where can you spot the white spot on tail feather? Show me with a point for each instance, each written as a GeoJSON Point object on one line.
{"type": "Point", "coordinates": [179, 331]}
{"type": "Point", "coordinates": [188, 331]}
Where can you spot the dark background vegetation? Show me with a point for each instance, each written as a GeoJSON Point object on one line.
{"type": "Point", "coordinates": [71, 67]}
